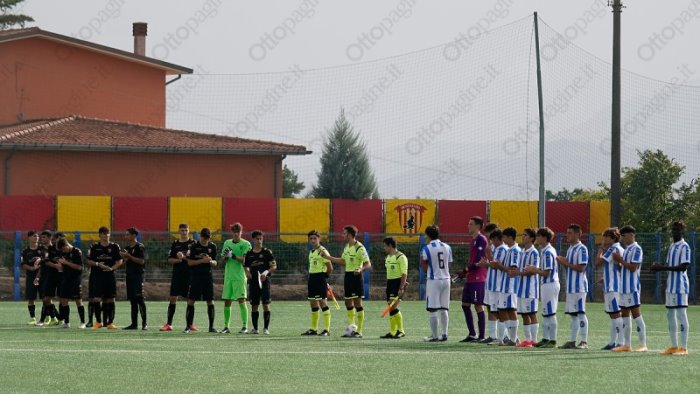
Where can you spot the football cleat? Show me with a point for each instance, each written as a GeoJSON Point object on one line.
{"type": "Point", "coordinates": [243, 330]}
{"type": "Point", "coordinates": [32, 322]}
{"type": "Point", "coordinates": [669, 351]}
{"type": "Point", "coordinates": [266, 332]}
{"type": "Point", "coordinates": [542, 343]}
{"type": "Point", "coordinates": [130, 327]}
{"type": "Point", "coordinates": [253, 331]}
{"type": "Point", "coordinates": [225, 331]}
{"type": "Point", "coordinates": [609, 346]}
{"type": "Point", "coordinates": [399, 334]}
{"type": "Point", "coordinates": [582, 345]}
{"type": "Point", "coordinates": [355, 334]}
{"type": "Point", "coordinates": [622, 348]}
{"type": "Point", "coordinates": [166, 327]}
{"type": "Point", "coordinates": [82, 326]}
{"type": "Point", "coordinates": [213, 330]}
{"type": "Point", "coordinates": [97, 326]}
{"type": "Point", "coordinates": [324, 333]}
{"type": "Point", "coordinates": [470, 339]}
{"type": "Point", "coordinates": [431, 339]}
{"type": "Point", "coordinates": [112, 326]}
{"type": "Point", "coordinates": [309, 332]}
{"type": "Point", "coordinates": [568, 345]}
{"type": "Point", "coordinates": [641, 348]}
{"type": "Point", "coordinates": [681, 352]}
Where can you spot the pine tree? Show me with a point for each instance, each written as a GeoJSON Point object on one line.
{"type": "Point", "coordinates": [290, 183]}
{"type": "Point", "coordinates": [8, 20]}
{"type": "Point", "coordinates": [345, 170]}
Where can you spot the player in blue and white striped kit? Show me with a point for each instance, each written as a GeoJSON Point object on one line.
{"type": "Point", "coordinates": [630, 291]}
{"type": "Point", "coordinates": [611, 284]}
{"type": "Point", "coordinates": [677, 289]}
{"type": "Point", "coordinates": [528, 288]}
{"type": "Point", "coordinates": [493, 281]}
{"type": "Point", "coordinates": [549, 291]}
{"type": "Point", "coordinates": [575, 262]}
{"type": "Point", "coordinates": [507, 298]}
{"type": "Point", "coordinates": [436, 258]}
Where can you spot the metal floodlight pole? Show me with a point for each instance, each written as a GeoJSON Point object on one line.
{"type": "Point", "coordinates": [615, 157]}
{"type": "Point", "coordinates": [542, 196]}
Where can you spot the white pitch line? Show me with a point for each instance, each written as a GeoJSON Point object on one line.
{"type": "Point", "coordinates": [426, 351]}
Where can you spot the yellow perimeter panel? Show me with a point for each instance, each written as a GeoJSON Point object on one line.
{"type": "Point", "coordinates": [409, 217]}
{"type": "Point", "coordinates": [517, 214]}
{"type": "Point", "coordinates": [600, 216]}
{"type": "Point", "coordinates": [197, 212]}
{"type": "Point", "coordinates": [303, 215]}
{"type": "Point", "coordinates": [85, 214]}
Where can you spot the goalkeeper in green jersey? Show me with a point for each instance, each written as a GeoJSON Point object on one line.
{"type": "Point", "coordinates": [235, 277]}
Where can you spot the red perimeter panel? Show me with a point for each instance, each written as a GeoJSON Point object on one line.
{"type": "Point", "coordinates": [144, 213]}
{"type": "Point", "coordinates": [453, 216]}
{"type": "Point", "coordinates": [560, 214]}
{"type": "Point", "coordinates": [366, 215]}
{"type": "Point", "coordinates": [27, 213]}
{"type": "Point", "coordinates": [252, 213]}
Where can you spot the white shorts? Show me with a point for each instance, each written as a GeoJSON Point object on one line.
{"type": "Point", "coordinates": [630, 300]}
{"type": "Point", "coordinates": [507, 301]}
{"type": "Point", "coordinates": [676, 300]}
{"type": "Point", "coordinates": [491, 299]}
{"type": "Point", "coordinates": [575, 303]}
{"type": "Point", "coordinates": [612, 302]}
{"type": "Point", "coordinates": [549, 294]}
{"type": "Point", "coordinates": [437, 294]}
{"type": "Point", "coordinates": [527, 305]}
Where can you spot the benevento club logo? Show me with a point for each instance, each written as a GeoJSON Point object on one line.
{"type": "Point", "coordinates": [410, 217]}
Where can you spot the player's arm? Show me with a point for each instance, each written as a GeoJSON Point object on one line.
{"type": "Point", "coordinates": [329, 268]}
{"type": "Point", "coordinates": [176, 257]}
{"type": "Point", "coordinates": [72, 265]}
{"type": "Point", "coordinates": [335, 260]}
{"type": "Point", "coordinates": [600, 257]}
{"type": "Point", "coordinates": [576, 267]}
{"type": "Point", "coordinates": [661, 267]}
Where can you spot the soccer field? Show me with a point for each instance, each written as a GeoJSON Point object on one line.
{"type": "Point", "coordinates": [48, 359]}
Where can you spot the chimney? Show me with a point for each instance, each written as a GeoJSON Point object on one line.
{"type": "Point", "coordinates": [140, 30]}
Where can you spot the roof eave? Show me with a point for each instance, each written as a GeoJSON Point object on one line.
{"type": "Point", "coordinates": [149, 149]}
{"type": "Point", "coordinates": [169, 68]}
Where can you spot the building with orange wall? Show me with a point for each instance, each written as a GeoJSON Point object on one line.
{"type": "Point", "coordinates": [79, 118]}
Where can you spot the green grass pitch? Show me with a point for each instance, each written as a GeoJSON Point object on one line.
{"type": "Point", "coordinates": [34, 359]}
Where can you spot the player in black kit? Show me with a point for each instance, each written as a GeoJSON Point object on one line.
{"type": "Point", "coordinates": [71, 262]}
{"type": "Point", "coordinates": [133, 255]}
{"type": "Point", "coordinates": [180, 281]}
{"type": "Point", "coordinates": [30, 262]}
{"type": "Point", "coordinates": [104, 259]}
{"type": "Point", "coordinates": [261, 264]}
{"type": "Point", "coordinates": [201, 258]}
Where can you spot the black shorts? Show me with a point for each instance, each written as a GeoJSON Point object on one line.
{"type": "Point", "coordinates": [317, 286]}
{"type": "Point", "coordinates": [94, 290]}
{"type": "Point", "coordinates": [30, 291]}
{"type": "Point", "coordinates": [49, 285]}
{"type": "Point", "coordinates": [392, 288]}
{"type": "Point", "coordinates": [354, 286]}
{"type": "Point", "coordinates": [71, 287]}
{"type": "Point", "coordinates": [108, 285]}
{"type": "Point", "coordinates": [256, 294]}
{"type": "Point", "coordinates": [134, 286]}
{"type": "Point", "coordinates": [201, 287]}
{"type": "Point", "coordinates": [180, 284]}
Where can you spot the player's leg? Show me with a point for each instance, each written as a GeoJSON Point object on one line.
{"type": "Point", "coordinates": [682, 313]}
{"type": "Point", "coordinates": [444, 308]}
{"type": "Point", "coordinates": [243, 311]}
{"type": "Point", "coordinates": [349, 298]}
{"type": "Point", "coordinates": [432, 303]}
{"type": "Point", "coordinates": [583, 321]}
{"type": "Point", "coordinates": [81, 310]}
{"type": "Point", "coordinates": [131, 296]}
{"type": "Point", "coordinates": [141, 301]}
{"type": "Point", "coordinates": [189, 316]}
{"type": "Point", "coordinates": [254, 296]}
{"type": "Point", "coordinates": [227, 296]}
{"type": "Point", "coordinates": [572, 310]}
{"type": "Point", "coordinates": [64, 311]}
{"type": "Point", "coordinates": [30, 295]}
{"type": "Point", "coordinates": [266, 300]}
{"type": "Point", "coordinates": [479, 289]}
{"type": "Point", "coordinates": [468, 297]}
{"type": "Point", "coordinates": [641, 327]}
{"type": "Point", "coordinates": [314, 294]}
{"type": "Point", "coordinates": [208, 296]}
{"type": "Point", "coordinates": [672, 316]}
{"type": "Point", "coordinates": [358, 305]}
{"type": "Point", "coordinates": [326, 312]}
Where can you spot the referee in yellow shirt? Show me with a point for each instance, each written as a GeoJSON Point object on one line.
{"type": "Point", "coordinates": [355, 259]}
{"type": "Point", "coordinates": [320, 268]}
{"type": "Point", "coordinates": [396, 275]}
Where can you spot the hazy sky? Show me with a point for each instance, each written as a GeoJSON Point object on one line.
{"type": "Point", "coordinates": [238, 37]}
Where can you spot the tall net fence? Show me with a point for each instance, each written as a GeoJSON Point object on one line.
{"type": "Point", "coordinates": [460, 120]}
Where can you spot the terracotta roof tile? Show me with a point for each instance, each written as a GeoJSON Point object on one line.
{"type": "Point", "coordinates": [80, 133]}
